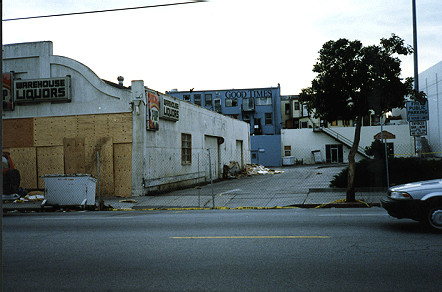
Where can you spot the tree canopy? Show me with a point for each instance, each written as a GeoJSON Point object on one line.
{"type": "Point", "coordinates": [354, 80]}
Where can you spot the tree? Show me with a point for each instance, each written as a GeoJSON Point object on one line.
{"type": "Point", "coordinates": [353, 80]}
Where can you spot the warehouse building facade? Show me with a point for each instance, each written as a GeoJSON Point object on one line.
{"type": "Point", "coordinates": [61, 118]}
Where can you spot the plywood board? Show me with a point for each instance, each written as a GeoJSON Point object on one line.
{"type": "Point", "coordinates": [74, 155]}
{"type": "Point", "coordinates": [104, 146]}
{"type": "Point", "coordinates": [85, 125]}
{"type": "Point", "coordinates": [18, 133]}
{"type": "Point", "coordinates": [123, 169]}
{"type": "Point", "coordinates": [25, 160]}
{"type": "Point", "coordinates": [101, 125]}
{"type": "Point", "coordinates": [50, 131]}
{"type": "Point", "coordinates": [69, 127]}
{"type": "Point", "coordinates": [120, 127]}
{"type": "Point", "coordinates": [50, 160]}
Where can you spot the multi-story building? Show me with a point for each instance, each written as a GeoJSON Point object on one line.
{"type": "Point", "coordinates": [296, 114]}
{"type": "Point", "coordinates": [260, 107]}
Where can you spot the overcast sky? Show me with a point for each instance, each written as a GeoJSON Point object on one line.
{"type": "Point", "coordinates": [220, 44]}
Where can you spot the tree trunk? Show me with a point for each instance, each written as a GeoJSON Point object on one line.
{"type": "Point", "coordinates": [352, 163]}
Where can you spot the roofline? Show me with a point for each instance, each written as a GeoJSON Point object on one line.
{"type": "Point", "coordinates": [193, 91]}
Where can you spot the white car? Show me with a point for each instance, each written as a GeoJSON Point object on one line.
{"type": "Point", "coordinates": [421, 201]}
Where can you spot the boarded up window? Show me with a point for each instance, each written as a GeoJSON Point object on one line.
{"type": "Point", "coordinates": [18, 133]}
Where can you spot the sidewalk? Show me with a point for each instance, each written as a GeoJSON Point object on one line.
{"type": "Point", "coordinates": [313, 199]}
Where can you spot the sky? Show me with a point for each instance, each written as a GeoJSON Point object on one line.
{"type": "Point", "coordinates": [220, 44]}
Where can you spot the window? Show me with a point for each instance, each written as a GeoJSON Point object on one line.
{"type": "Point", "coordinates": [217, 105]}
{"type": "Point", "coordinates": [287, 150]}
{"type": "Point", "coordinates": [268, 119]}
{"type": "Point", "coordinates": [208, 99]}
{"type": "Point", "coordinates": [246, 118]}
{"type": "Point", "coordinates": [263, 101]}
{"type": "Point", "coordinates": [186, 97]}
{"type": "Point", "coordinates": [231, 102]}
{"type": "Point", "coordinates": [197, 99]}
{"type": "Point", "coordinates": [287, 109]}
{"type": "Point", "coordinates": [296, 106]}
{"type": "Point", "coordinates": [304, 110]}
{"type": "Point", "coordinates": [186, 149]}
{"type": "Point", "coordinates": [257, 127]}
{"type": "Point", "coordinates": [304, 125]}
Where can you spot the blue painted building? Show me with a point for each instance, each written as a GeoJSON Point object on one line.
{"type": "Point", "coordinates": [260, 107]}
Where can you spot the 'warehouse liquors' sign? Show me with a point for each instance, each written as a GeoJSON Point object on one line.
{"type": "Point", "coordinates": [42, 90]}
{"type": "Point", "coordinates": [170, 109]}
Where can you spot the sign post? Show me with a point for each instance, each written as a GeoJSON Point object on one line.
{"type": "Point", "coordinates": [418, 128]}
{"type": "Point", "coordinates": [417, 111]}
{"type": "Point", "coordinates": [417, 116]}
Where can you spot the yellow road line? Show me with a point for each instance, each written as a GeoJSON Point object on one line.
{"type": "Point", "coordinates": [251, 237]}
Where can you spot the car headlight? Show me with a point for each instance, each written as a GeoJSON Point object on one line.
{"type": "Point", "coordinates": [400, 196]}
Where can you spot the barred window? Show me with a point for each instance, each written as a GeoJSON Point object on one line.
{"type": "Point", "coordinates": [186, 149]}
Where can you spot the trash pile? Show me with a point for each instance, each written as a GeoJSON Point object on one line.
{"type": "Point", "coordinates": [233, 170]}
{"type": "Point", "coordinates": [29, 197]}
{"type": "Point", "coordinates": [256, 169]}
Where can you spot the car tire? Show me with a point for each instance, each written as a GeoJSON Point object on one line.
{"type": "Point", "coordinates": [434, 216]}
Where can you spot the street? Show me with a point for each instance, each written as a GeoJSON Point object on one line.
{"type": "Point", "coordinates": [220, 250]}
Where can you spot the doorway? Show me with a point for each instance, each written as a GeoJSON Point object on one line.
{"type": "Point", "coordinates": [334, 153]}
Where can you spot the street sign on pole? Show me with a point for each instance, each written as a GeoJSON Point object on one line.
{"type": "Point", "coordinates": [417, 111]}
{"type": "Point", "coordinates": [418, 128]}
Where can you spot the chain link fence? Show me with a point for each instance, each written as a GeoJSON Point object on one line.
{"type": "Point", "coordinates": [209, 175]}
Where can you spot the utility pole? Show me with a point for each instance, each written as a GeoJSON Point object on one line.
{"type": "Point", "coordinates": [416, 73]}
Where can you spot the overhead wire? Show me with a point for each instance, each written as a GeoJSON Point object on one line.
{"type": "Point", "coordinates": [105, 10]}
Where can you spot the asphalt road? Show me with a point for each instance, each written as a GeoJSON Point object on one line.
{"type": "Point", "coordinates": [220, 250]}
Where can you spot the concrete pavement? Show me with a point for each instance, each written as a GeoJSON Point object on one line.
{"type": "Point", "coordinates": [298, 186]}
{"type": "Point", "coordinates": [313, 199]}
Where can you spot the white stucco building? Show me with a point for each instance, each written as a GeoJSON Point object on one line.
{"type": "Point", "coordinates": [59, 116]}
{"type": "Point", "coordinates": [430, 83]}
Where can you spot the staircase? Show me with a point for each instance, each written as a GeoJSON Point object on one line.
{"type": "Point", "coordinates": [338, 137]}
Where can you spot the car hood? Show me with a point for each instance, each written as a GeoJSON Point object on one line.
{"type": "Point", "coordinates": [419, 186]}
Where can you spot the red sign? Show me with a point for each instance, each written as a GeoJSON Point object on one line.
{"type": "Point", "coordinates": [153, 112]}
{"type": "Point", "coordinates": [8, 100]}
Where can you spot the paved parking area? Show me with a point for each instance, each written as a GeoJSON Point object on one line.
{"type": "Point", "coordinates": [295, 186]}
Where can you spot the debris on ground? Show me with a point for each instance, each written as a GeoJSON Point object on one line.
{"type": "Point", "coordinates": [231, 170]}
{"type": "Point", "coordinates": [256, 169]}
{"type": "Point", "coordinates": [128, 201]}
{"type": "Point", "coordinates": [29, 197]}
